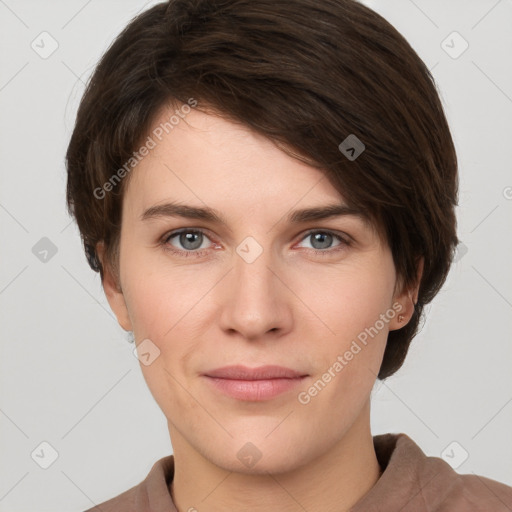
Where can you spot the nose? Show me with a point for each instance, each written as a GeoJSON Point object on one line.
{"type": "Point", "coordinates": [255, 300]}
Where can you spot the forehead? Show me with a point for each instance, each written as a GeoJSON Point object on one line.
{"type": "Point", "coordinates": [206, 157]}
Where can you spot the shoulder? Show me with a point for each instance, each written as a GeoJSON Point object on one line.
{"type": "Point", "coordinates": [418, 482]}
{"type": "Point", "coordinates": [479, 494]}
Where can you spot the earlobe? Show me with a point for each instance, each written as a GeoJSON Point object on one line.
{"type": "Point", "coordinates": [113, 291]}
{"type": "Point", "coordinates": [407, 301]}
{"type": "Point", "coordinates": [403, 315]}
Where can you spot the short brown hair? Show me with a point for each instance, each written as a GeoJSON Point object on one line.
{"type": "Point", "coordinates": [306, 74]}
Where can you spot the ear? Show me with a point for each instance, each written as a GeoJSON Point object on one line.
{"type": "Point", "coordinates": [113, 291]}
{"type": "Point", "coordinates": [407, 299]}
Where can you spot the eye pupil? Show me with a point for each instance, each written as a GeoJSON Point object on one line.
{"type": "Point", "coordinates": [325, 240]}
{"type": "Point", "coordinates": [190, 237]}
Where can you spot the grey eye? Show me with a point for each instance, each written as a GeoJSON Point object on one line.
{"type": "Point", "coordinates": [321, 240]}
{"type": "Point", "coordinates": [189, 240]}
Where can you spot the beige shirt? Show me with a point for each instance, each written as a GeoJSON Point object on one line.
{"type": "Point", "coordinates": [410, 482]}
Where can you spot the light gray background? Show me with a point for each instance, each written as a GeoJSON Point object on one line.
{"type": "Point", "coordinates": [68, 376]}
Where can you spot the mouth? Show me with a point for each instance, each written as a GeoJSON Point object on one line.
{"type": "Point", "coordinates": [254, 384]}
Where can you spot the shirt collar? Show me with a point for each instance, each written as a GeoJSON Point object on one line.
{"type": "Point", "coordinates": [410, 481]}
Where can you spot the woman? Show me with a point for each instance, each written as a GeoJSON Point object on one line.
{"type": "Point", "coordinates": [268, 191]}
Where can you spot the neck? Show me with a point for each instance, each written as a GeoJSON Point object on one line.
{"type": "Point", "coordinates": [332, 482]}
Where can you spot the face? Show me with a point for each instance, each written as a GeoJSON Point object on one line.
{"type": "Point", "coordinates": [253, 287]}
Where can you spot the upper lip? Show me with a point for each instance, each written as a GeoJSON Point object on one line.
{"type": "Point", "coordinates": [240, 372]}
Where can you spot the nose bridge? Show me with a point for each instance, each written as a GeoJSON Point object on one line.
{"type": "Point", "coordinates": [252, 275]}
{"type": "Point", "coordinates": [255, 300]}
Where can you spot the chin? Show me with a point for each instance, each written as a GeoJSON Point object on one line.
{"type": "Point", "coordinates": [260, 456]}
{"type": "Point", "coordinates": [273, 463]}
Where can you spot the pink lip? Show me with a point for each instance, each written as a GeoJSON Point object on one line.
{"type": "Point", "coordinates": [240, 372]}
{"type": "Point", "coordinates": [254, 384]}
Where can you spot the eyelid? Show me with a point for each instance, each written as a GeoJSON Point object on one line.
{"type": "Point", "coordinates": [166, 246]}
{"type": "Point", "coordinates": [173, 233]}
{"type": "Point", "coordinates": [344, 239]}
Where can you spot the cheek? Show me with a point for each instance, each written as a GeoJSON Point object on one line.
{"type": "Point", "coordinates": [171, 310]}
{"type": "Point", "coordinates": [350, 361]}
{"type": "Point", "coordinates": [357, 309]}
{"type": "Point", "coordinates": [160, 304]}
{"type": "Point", "coordinates": [165, 311]}
{"type": "Point", "coordinates": [354, 296]}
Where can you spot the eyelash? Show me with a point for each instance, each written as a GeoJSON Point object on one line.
{"type": "Point", "coordinates": [199, 253]}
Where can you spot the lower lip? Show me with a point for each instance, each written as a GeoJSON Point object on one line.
{"type": "Point", "coordinates": [254, 390]}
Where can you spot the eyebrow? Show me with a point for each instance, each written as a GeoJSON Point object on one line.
{"type": "Point", "coordinates": [209, 214]}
